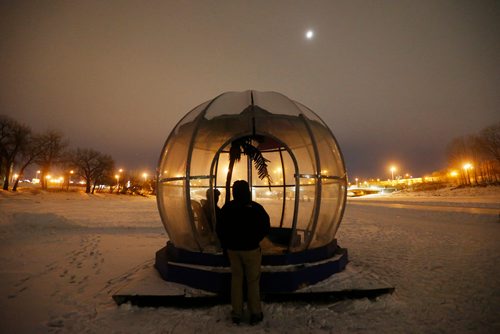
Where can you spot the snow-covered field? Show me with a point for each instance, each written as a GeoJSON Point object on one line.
{"type": "Point", "coordinates": [62, 256]}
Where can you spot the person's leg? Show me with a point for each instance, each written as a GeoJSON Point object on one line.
{"type": "Point", "coordinates": [237, 275]}
{"type": "Point", "coordinates": [252, 260]}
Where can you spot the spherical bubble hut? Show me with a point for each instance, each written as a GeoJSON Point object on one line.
{"type": "Point", "coordinates": [287, 154]}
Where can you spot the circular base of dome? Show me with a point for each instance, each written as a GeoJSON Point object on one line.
{"type": "Point", "coordinates": [280, 273]}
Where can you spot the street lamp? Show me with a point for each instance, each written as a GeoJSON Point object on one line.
{"type": "Point", "coordinates": [393, 169]}
{"type": "Point", "coordinates": [467, 166]}
{"type": "Point", "coordinates": [117, 177]}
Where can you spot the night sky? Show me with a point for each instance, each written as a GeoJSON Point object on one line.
{"type": "Point", "coordinates": [395, 81]}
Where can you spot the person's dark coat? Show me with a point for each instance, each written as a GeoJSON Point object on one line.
{"type": "Point", "coordinates": [242, 226]}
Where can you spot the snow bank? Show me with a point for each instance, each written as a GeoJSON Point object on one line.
{"type": "Point", "coordinates": [480, 197]}
{"type": "Point", "coordinates": [81, 209]}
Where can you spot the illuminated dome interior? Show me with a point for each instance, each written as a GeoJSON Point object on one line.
{"type": "Point", "coordinates": [305, 198]}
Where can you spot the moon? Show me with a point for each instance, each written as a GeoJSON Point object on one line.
{"type": "Point", "coordinates": [310, 34]}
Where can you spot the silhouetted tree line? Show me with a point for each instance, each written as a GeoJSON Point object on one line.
{"type": "Point", "coordinates": [476, 157]}
{"type": "Point", "coordinates": [134, 184]}
{"type": "Point", "coordinates": [20, 147]}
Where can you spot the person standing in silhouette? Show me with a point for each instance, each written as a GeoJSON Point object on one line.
{"type": "Point", "coordinates": [207, 205]}
{"type": "Point", "coordinates": [243, 224]}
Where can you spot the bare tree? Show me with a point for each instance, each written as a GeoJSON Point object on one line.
{"type": "Point", "coordinates": [482, 151]}
{"type": "Point", "coordinates": [490, 137]}
{"type": "Point", "coordinates": [93, 166]}
{"type": "Point", "coordinates": [490, 144]}
{"type": "Point", "coordinates": [5, 125]}
{"type": "Point", "coordinates": [457, 153]}
{"type": "Point", "coordinates": [28, 156]}
{"type": "Point", "coordinates": [52, 152]}
{"type": "Point", "coordinates": [14, 138]}
{"type": "Point", "coordinates": [107, 178]}
{"type": "Point", "coordinates": [104, 171]}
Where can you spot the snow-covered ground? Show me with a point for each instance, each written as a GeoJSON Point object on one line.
{"type": "Point", "coordinates": [63, 254]}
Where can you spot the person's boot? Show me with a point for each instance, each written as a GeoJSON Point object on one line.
{"type": "Point", "coordinates": [236, 318]}
{"type": "Point", "coordinates": [256, 318]}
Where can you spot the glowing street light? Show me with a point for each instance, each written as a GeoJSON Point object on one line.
{"type": "Point", "coordinates": [393, 169]}
{"type": "Point", "coordinates": [117, 177]}
{"type": "Point", "coordinates": [145, 176]}
{"type": "Point", "coordinates": [467, 166]}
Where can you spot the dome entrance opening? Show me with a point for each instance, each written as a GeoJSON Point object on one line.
{"type": "Point", "coordinates": [270, 168]}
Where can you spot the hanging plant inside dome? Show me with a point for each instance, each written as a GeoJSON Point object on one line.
{"type": "Point", "coordinates": [245, 146]}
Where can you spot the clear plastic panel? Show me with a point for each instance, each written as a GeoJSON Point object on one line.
{"type": "Point", "coordinates": [293, 132]}
{"type": "Point", "coordinates": [289, 207]}
{"type": "Point", "coordinates": [189, 118]}
{"type": "Point", "coordinates": [289, 172]}
{"type": "Point", "coordinates": [290, 130]}
{"type": "Point", "coordinates": [230, 103]}
{"type": "Point", "coordinates": [305, 159]}
{"type": "Point", "coordinates": [204, 216]}
{"type": "Point", "coordinates": [214, 133]}
{"type": "Point", "coordinates": [272, 201]}
{"type": "Point", "coordinates": [239, 171]}
{"type": "Point", "coordinates": [306, 204]}
{"type": "Point", "coordinates": [331, 158]}
{"type": "Point", "coordinates": [274, 168]}
{"type": "Point", "coordinates": [201, 160]}
{"type": "Point", "coordinates": [174, 157]}
{"type": "Point", "coordinates": [309, 114]}
{"type": "Point", "coordinates": [341, 207]}
{"type": "Point", "coordinates": [175, 215]}
{"type": "Point", "coordinates": [174, 167]}
{"type": "Point", "coordinates": [276, 103]}
{"type": "Point", "coordinates": [331, 161]}
{"type": "Point", "coordinates": [198, 189]}
{"type": "Point", "coordinates": [330, 205]}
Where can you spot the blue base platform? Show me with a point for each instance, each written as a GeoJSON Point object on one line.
{"type": "Point", "coordinates": [281, 273]}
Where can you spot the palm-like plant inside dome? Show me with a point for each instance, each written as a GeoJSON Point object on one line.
{"type": "Point", "coordinates": [244, 145]}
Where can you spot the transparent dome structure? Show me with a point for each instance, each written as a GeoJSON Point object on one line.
{"type": "Point", "coordinates": [305, 196]}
